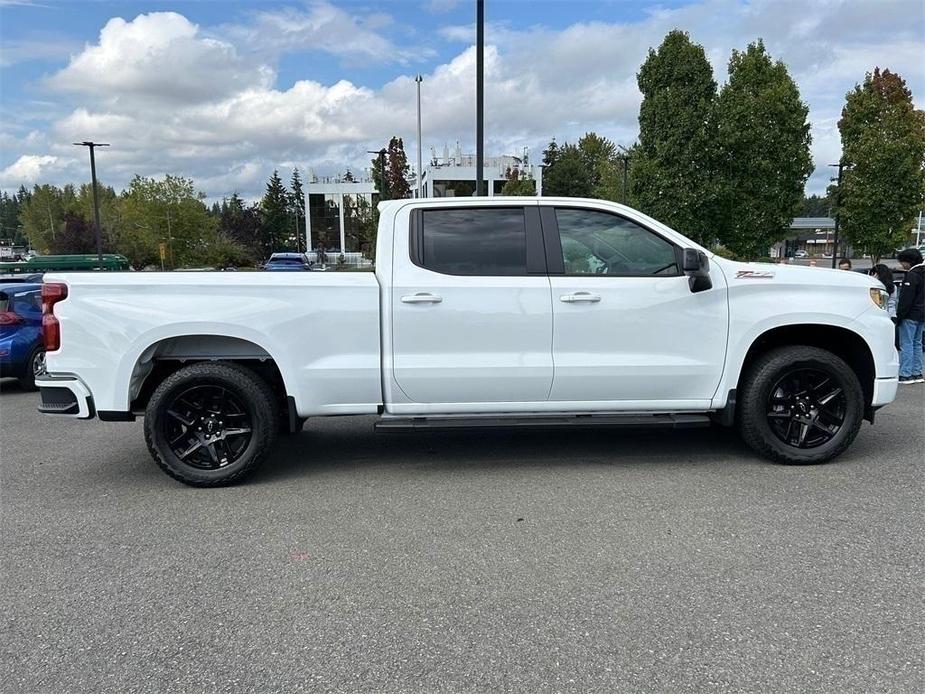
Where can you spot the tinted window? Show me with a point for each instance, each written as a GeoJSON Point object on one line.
{"type": "Point", "coordinates": [485, 241]}
{"type": "Point", "coordinates": [600, 243]}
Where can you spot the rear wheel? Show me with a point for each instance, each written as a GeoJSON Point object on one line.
{"type": "Point", "coordinates": [211, 423]}
{"type": "Point", "coordinates": [35, 366]}
{"type": "Point", "coordinates": [800, 405]}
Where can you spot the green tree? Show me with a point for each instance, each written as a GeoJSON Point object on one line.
{"type": "Point", "coordinates": [883, 139]}
{"type": "Point", "coordinates": [297, 209]}
{"type": "Point", "coordinates": [275, 221]}
{"type": "Point", "coordinates": [241, 223]}
{"type": "Point", "coordinates": [167, 211]}
{"type": "Point", "coordinates": [518, 183]}
{"type": "Point", "coordinates": [674, 162]}
{"type": "Point", "coordinates": [763, 139]}
{"type": "Point", "coordinates": [568, 175]}
{"type": "Point", "coordinates": [397, 171]}
{"type": "Point", "coordinates": [42, 215]}
{"type": "Point", "coordinates": [816, 206]}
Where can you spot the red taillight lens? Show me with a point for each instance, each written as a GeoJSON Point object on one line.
{"type": "Point", "coordinates": [52, 293]}
{"type": "Point", "coordinates": [9, 318]}
{"type": "Point", "coordinates": [51, 332]}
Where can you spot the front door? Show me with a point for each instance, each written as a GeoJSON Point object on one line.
{"type": "Point", "coordinates": [628, 328]}
{"type": "Point", "coordinates": [471, 315]}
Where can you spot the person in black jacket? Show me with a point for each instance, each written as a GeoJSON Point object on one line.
{"type": "Point", "coordinates": [910, 316]}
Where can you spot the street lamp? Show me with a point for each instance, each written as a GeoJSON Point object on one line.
{"type": "Point", "coordinates": [479, 95]}
{"type": "Point", "coordinates": [420, 79]}
{"type": "Point", "coordinates": [96, 200]}
{"type": "Point", "coordinates": [625, 158]}
{"type": "Point", "coordinates": [842, 167]}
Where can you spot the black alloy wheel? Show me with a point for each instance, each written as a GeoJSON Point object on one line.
{"type": "Point", "coordinates": [207, 426]}
{"type": "Point", "coordinates": [799, 405]}
{"type": "Point", "coordinates": [806, 408]}
{"type": "Point", "coordinates": [211, 423]}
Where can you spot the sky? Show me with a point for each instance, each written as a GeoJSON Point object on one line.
{"type": "Point", "coordinates": [225, 92]}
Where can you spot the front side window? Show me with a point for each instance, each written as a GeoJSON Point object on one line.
{"type": "Point", "coordinates": [600, 243]}
{"type": "Point", "coordinates": [483, 241]}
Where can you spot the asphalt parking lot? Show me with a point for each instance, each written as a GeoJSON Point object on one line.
{"type": "Point", "coordinates": [503, 561]}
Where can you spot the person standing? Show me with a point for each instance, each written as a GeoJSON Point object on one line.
{"type": "Point", "coordinates": [910, 316]}
{"type": "Point", "coordinates": [844, 264]}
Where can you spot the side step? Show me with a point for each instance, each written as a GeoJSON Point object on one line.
{"type": "Point", "coordinates": [674, 421]}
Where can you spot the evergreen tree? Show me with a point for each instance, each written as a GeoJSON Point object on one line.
{"type": "Point", "coordinates": [297, 209]}
{"type": "Point", "coordinates": [568, 175]}
{"type": "Point", "coordinates": [274, 217]}
{"type": "Point", "coordinates": [398, 170]}
{"type": "Point", "coordinates": [763, 138]}
{"type": "Point", "coordinates": [883, 140]}
{"type": "Point", "coordinates": [673, 166]}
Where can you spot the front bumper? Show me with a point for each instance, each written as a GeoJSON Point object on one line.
{"type": "Point", "coordinates": [65, 396]}
{"type": "Point", "coordinates": [884, 390]}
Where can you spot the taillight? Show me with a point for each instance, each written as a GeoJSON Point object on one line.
{"type": "Point", "coordinates": [52, 293]}
{"type": "Point", "coordinates": [9, 318]}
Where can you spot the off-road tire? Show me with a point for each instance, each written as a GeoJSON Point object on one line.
{"type": "Point", "coordinates": [249, 388]}
{"type": "Point", "coordinates": [754, 395]}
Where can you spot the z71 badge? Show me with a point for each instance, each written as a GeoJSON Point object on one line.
{"type": "Point", "coordinates": [754, 275]}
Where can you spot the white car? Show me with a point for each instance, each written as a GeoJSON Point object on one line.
{"type": "Point", "coordinates": [481, 312]}
{"type": "Point", "coordinates": [801, 254]}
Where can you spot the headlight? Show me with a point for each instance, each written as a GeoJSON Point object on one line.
{"type": "Point", "coordinates": [879, 297]}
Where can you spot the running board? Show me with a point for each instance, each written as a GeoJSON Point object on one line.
{"type": "Point", "coordinates": [674, 421]}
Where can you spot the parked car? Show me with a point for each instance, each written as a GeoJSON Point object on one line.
{"type": "Point", "coordinates": [801, 254]}
{"type": "Point", "coordinates": [22, 353]}
{"type": "Point", "coordinates": [288, 262]}
{"type": "Point", "coordinates": [481, 312]}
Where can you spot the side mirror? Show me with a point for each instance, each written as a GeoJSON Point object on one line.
{"type": "Point", "coordinates": [696, 266]}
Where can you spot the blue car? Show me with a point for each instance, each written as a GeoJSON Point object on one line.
{"type": "Point", "coordinates": [288, 262]}
{"type": "Point", "coordinates": [22, 352]}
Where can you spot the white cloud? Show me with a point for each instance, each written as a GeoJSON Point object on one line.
{"type": "Point", "coordinates": [171, 96]}
{"type": "Point", "coordinates": [158, 56]}
{"type": "Point", "coordinates": [27, 169]}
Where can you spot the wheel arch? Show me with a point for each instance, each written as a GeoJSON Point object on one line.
{"type": "Point", "coordinates": [154, 359]}
{"type": "Point", "coordinates": [840, 341]}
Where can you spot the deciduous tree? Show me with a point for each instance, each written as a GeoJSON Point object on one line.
{"type": "Point", "coordinates": [883, 139]}
{"type": "Point", "coordinates": [763, 138]}
{"type": "Point", "coordinates": [674, 162]}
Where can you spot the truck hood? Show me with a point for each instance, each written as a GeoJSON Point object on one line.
{"type": "Point", "coordinates": [759, 273]}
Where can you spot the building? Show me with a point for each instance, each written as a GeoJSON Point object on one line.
{"type": "Point", "coordinates": [337, 207]}
{"type": "Point", "coordinates": [454, 176]}
{"type": "Point", "coordinates": [815, 235]}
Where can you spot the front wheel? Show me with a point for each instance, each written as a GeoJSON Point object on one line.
{"type": "Point", "coordinates": [211, 423]}
{"type": "Point", "coordinates": [800, 405]}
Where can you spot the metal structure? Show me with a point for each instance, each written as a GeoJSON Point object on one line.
{"type": "Point", "coordinates": [841, 165]}
{"type": "Point", "coordinates": [420, 177]}
{"type": "Point", "coordinates": [479, 96]}
{"type": "Point", "coordinates": [96, 200]}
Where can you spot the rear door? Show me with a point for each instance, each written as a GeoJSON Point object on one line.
{"type": "Point", "coordinates": [628, 329]}
{"type": "Point", "coordinates": [471, 314]}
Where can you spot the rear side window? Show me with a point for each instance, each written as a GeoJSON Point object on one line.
{"type": "Point", "coordinates": [600, 243]}
{"type": "Point", "coordinates": [4, 302]}
{"type": "Point", "coordinates": [484, 241]}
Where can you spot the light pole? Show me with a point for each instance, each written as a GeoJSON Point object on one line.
{"type": "Point", "coordinates": [841, 165]}
{"type": "Point", "coordinates": [96, 200]}
{"type": "Point", "coordinates": [625, 158]}
{"type": "Point", "coordinates": [479, 95]}
{"type": "Point", "coordinates": [420, 79]}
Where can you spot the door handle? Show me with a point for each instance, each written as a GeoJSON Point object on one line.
{"type": "Point", "coordinates": [421, 298]}
{"type": "Point", "coordinates": [580, 297]}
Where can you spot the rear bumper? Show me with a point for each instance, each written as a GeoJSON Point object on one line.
{"type": "Point", "coordinates": [65, 396]}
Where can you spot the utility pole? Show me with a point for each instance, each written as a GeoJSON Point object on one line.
{"type": "Point", "coordinates": [625, 158]}
{"type": "Point", "coordinates": [420, 79]}
{"type": "Point", "coordinates": [170, 241]}
{"type": "Point", "coordinates": [383, 175]}
{"type": "Point", "coordinates": [841, 166]}
{"type": "Point", "coordinates": [96, 200]}
{"type": "Point", "coordinates": [479, 96]}
{"type": "Point", "coordinates": [308, 217]}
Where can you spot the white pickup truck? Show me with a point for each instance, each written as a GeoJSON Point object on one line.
{"type": "Point", "coordinates": [481, 312]}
